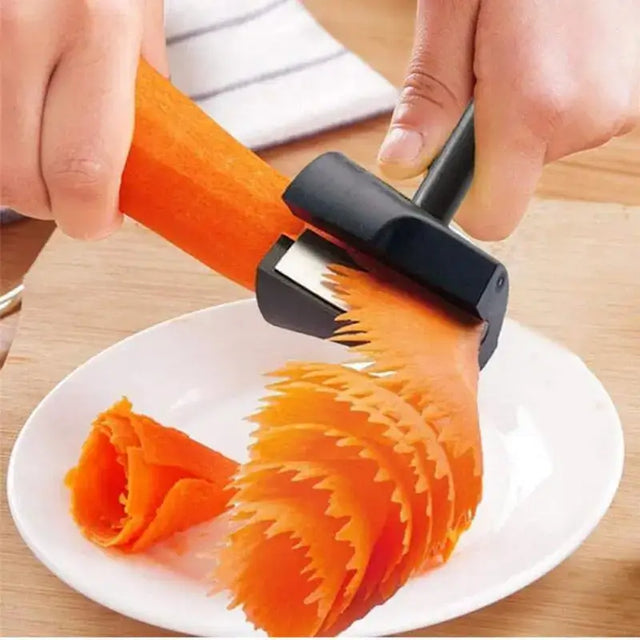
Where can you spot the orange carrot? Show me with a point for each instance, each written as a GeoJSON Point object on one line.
{"type": "Point", "coordinates": [191, 182]}
{"type": "Point", "coordinates": [138, 483]}
{"type": "Point", "coordinates": [385, 460]}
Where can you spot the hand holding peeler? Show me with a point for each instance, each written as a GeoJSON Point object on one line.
{"type": "Point", "coordinates": [185, 175]}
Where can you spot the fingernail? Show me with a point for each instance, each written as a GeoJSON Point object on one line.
{"type": "Point", "coordinates": [401, 146]}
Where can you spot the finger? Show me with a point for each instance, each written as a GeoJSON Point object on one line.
{"type": "Point", "coordinates": [24, 74]}
{"type": "Point", "coordinates": [509, 160]}
{"type": "Point", "coordinates": [437, 87]}
{"type": "Point", "coordinates": [154, 45]}
{"type": "Point", "coordinates": [88, 119]}
{"type": "Point", "coordinates": [597, 116]}
{"type": "Point", "coordinates": [632, 120]}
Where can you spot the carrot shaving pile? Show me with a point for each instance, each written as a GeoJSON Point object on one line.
{"type": "Point", "coordinates": [359, 477]}
{"type": "Point", "coordinates": [137, 482]}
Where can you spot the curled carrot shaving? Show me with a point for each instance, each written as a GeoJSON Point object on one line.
{"type": "Point", "coordinates": [431, 355]}
{"type": "Point", "coordinates": [359, 477]}
{"type": "Point", "coordinates": [137, 482]}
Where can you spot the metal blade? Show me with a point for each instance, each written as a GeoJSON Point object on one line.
{"type": "Point", "coordinates": [307, 263]}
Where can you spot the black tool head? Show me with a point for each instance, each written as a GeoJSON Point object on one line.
{"type": "Point", "coordinates": [337, 196]}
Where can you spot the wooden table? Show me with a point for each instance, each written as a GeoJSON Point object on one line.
{"type": "Point", "coordinates": [575, 275]}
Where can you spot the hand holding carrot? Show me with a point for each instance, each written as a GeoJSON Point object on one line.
{"type": "Point", "coordinates": [67, 105]}
{"type": "Point", "coordinates": [548, 78]}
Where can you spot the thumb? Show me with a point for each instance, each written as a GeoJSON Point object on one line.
{"type": "Point", "coordinates": [154, 46]}
{"type": "Point", "coordinates": [437, 88]}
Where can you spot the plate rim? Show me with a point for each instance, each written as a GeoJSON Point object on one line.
{"type": "Point", "coordinates": [410, 622]}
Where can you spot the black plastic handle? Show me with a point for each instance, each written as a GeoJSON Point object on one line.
{"type": "Point", "coordinates": [410, 236]}
{"type": "Point", "coordinates": [338, 196]}
{"type": "Point", "coordinates": [449, 175]}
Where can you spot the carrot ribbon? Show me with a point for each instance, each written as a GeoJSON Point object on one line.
{"type": "Point", "coordinates": [137, 482]}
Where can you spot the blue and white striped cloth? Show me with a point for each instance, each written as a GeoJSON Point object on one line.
{"type": "Point", "coordinates": [266, 71]}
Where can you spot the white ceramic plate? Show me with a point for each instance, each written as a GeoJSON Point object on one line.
{"type": "Point", "coordinates": [553, 457]}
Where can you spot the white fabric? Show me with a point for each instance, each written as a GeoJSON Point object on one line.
{"type": "Point", "coordinates": [266, 71]}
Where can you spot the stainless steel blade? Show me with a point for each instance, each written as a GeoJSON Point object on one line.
{"type": "Point", "coordinates": [307, 262]}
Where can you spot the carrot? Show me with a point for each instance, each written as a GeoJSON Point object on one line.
{"type": "Point", "coordinates": [386, 458]}
{"type": "Point", "coordinates": [191, 182]}
{"type": "Point", "coordinates": [138, 483]}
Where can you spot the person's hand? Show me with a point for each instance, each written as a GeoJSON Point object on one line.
{"type": "Point", "coordinates": [67, 84]}
{"type": "Point", "coordinates": [548, 78]}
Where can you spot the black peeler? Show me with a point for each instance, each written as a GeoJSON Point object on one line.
{"type": "Point", "coordinates": [411, 236]}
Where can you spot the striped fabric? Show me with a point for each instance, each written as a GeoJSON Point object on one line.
{"type": "Point", "coordinates": [266, 71]}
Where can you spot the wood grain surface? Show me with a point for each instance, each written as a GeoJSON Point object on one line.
{"type": "Point", "coordinates": [575, 272]}
{"type": "Point", "coordinates": [20, 243]}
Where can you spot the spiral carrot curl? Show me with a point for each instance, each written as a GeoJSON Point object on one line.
{"type": "Point", "coordinates": [358, 478]}
{"type": "Point", "coordinates": [137, 482]}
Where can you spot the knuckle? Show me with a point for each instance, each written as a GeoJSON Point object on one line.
{"type": "Point", "coordinates": [80, 175]}
{"type": "Point", "coordinates": [618, 112]}
{"type": "Point", "coordinates": [544, 103]}
{"type": "Point", "coordinates": [621, 127]}
{"type": "Point", "coordinates": [601, 135]}
{"type": "Point", "coordinates": [612, 125]}
{"type": "Point", "coordinates": [422, 86]}
{"type": "Point", "coordinates": [632, 123]}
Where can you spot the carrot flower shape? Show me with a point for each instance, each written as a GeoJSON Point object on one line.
{"type": "Point", "coordinates": [138, 482]}
{"type": "Point", "coordinates": [359, 477]}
